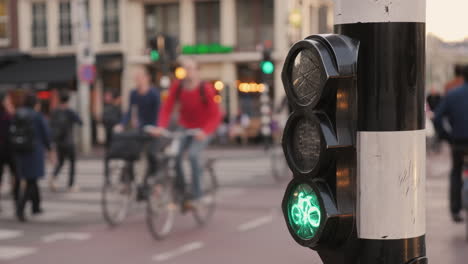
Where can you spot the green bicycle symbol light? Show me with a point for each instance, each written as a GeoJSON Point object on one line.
{"type": "Point", "coordinates": [304, 212]}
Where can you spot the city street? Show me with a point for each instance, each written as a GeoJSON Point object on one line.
{"type": "Point", "coordinates": [248, 226]}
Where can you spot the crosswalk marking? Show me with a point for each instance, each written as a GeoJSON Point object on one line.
{"type": "Point", "coordinates": [11, 253]}
{"type": "Point", "coordinates": [10, 234]}
{"type": "Point", "coordinates": [178, 252]}
{"type": "Point", "coordinates": [65, 236]}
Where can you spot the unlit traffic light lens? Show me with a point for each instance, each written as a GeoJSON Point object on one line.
{"type": "Point", "coordinates": [306, 144]}
{"type": "Point", "coordinates": [307, 77]}
{"type": "Point", "coordinates": [304, 212]}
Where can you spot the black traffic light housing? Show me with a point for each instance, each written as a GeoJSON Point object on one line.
{"type": "Point", "coordinates": [319, 142]}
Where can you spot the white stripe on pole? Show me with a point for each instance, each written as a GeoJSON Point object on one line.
{"type": "Point", "coordinates": [391, 196]}
{"type": "Point", "coordinates": [374, 11]}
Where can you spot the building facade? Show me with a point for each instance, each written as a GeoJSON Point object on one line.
{"type": "Point", "coordinates": [120, 32]}
{"type": "Point", "coordinates": [8, 25]}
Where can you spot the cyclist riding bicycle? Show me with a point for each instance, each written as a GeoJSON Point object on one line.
{"type": "Point", "coordinates": [143, 110]}
{"type": "Point", "coordinates": [197, 109]}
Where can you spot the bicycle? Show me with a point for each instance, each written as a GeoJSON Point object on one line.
{"type": "Point", "coordinates": [120, 182]}
{"type": "Point", "coordinates": [164, 197]}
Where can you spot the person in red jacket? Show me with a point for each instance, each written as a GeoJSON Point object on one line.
{"type": "Point", "coordinates": [197, 110]}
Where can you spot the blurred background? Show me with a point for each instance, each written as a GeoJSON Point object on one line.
{"type": "Point", "coordinates": [88, 48]}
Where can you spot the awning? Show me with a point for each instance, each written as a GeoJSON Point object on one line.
{"type": "Point", "coordinates": [40, 70]}
{"type": "Point", "coordinates": [59, 69]}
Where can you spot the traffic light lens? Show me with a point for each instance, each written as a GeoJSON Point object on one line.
{"type": "Point", "coordinates": [154, 55]}
{"type": "Point", "coordinates": [304, 212]}
{"type": "Point", "coordinates": [307, 77]}
{"type": "Point", "coordinates": [306, 144]}
{"type": "Point", "coordinates": [267, 67]}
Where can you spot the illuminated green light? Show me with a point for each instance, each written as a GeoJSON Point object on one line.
{"type": "Point", "coordinates": [304, 212]}
{"type": "Point", "coordinates": [154, 55]}
{"type": "Point", "coordinates": [267, 67]}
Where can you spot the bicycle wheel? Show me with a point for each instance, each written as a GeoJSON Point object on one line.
{"type": "Point", "coordinates": [117, 192]}
{"type": "Point", "coordinates": [279, 166]}
{"type": "Point", "coordinates": [160, 209]}
{"type": "Point", "coordinates": [204, 208]}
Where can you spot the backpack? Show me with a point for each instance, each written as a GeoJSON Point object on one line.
{"type": "Point", "coordinates": [60, 124]}
{"type": "Point", "coordinates": [22, 132]}
{"type": "Point", "coordinates": [201, 90]}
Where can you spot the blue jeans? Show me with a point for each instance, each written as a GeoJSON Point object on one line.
{"type": "Point", "coordinates": [194, 148]}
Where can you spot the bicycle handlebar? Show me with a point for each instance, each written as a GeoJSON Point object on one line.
{"type": "Point", "coordinates": [175, 134]}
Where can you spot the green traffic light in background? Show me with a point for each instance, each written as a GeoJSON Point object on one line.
{"type": "Point", "coordinates": [154, 55]}
{"type": "Point", "coordinates": [267, 67]}
{"type": "Point", "coordinates": [304, 212]}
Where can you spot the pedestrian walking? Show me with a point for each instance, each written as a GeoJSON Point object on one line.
{"type": "Point", "coordinates": [62, 122]}
{"type": "Point", "coordinates": [30, 138]}
{"type": "Point", "coordinates": [457, 81]}
{"type": "Point", "coordinates": [6, 156]}
{"type": "Point", "coordinates": [111, 115]}
{"type": "Point", "coordinates": [454, 108]}
{"type": "Point", "coordinates": [197, 109]}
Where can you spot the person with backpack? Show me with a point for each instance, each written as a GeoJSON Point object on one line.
{"type": "Point", "coordinates": [62, 122]}
{"type": "Point", "coordinates": [6, 157]}
{"type": "Point", "coordinates": [111, 114]}
{"type": "Point", "coordinates": [30, 139]}
{"type": "Point", "coordinates": [197, 110]}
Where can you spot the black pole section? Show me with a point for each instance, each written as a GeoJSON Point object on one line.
{"type": "Point", "coordinates": [391, 139]}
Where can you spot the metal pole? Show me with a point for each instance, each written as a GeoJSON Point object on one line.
{"type": "Point", "coordinates": [391, 139]}
{"type": "Point", "coordinates": [84, 56]}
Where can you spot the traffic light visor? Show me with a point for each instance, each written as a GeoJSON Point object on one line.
{"type": "Point", "coordinates": [304, 212]}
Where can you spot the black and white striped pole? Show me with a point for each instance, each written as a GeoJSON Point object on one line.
{"type": "Point", "coordinates": [391, 138]}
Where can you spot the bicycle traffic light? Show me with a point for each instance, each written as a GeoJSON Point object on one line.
{"type": "Point", "coordinates": [319, 142]}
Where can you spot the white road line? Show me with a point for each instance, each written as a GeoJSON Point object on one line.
{"type": "Point", "coordinates": [10, 234]}
{"type": "Point", "coordinates": [11, 253]}
{"type": "Point", "coordinates": [65, 236]}
{"type": "Point", "coordinates": [178, 252]}
{"type": "Point", "coordinates": [258, 222]}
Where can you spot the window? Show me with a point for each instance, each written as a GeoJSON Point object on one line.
{"type": "Point", "coordinates": [162, 18]}
{"type": "Point", "coordinates": [207, 15]}
{"type": "Point", "coordinates": [4, 25]}
{"type": "Point", "coordinates": [254, 23]}
{"type": "Point", "coordinates": [39, 24]}
{"type": "Point", "coordinates": [111, 21]}
{"type": "Point", "coordinates": [65, 23]}
{"type": "Point", "coordinates": [323, 20]}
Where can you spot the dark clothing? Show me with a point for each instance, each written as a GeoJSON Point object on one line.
{"type": "Point", "coordinates": [72, 118]}
{"type": "Point", "coordinates": [433, 100]}
{"type": "Point", "coordinates": [31, 193]}
{"type": "Point", "coordinates": [7, 160]}
{"type": "Point", "coordinates": [455, 107]}
{"type": "Point", "coordinates": [66, 153]}
{"type": "Point", "coordinates": [31, 165]}
{"type": "Point", "coordinates": [5, 122]}
{"type": "Point", "coordinates": [456, 180]}
{"type": "Point", "coordinates": [111, 116]}
{"type": "Point", "coordinates": [147, 107]}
